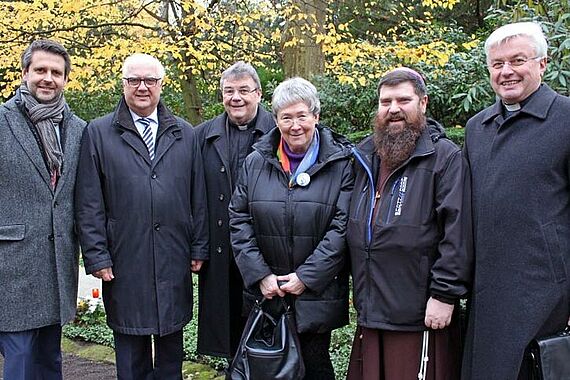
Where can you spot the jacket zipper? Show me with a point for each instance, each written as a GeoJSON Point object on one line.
{"type": "Point", "coordinates": [388, 217]}
{"type": "Point", "coordinates": [371, 196]}
{"type": "Point", "coordinates": [290, 232]}
{"type": "Point", "coordinates": [312, 171]}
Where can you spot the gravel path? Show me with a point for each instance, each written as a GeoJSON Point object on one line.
{"type": "Point", "coordinates": [76, 368]}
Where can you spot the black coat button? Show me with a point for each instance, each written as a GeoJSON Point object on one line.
{"type": "Point", "coordinates": [157, 227]}
{"type": "Point", "coordinates": [223, 169]}
{"type": "Point", "coordinates": [222, 197]}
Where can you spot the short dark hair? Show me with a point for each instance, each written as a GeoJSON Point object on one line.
{"type": "Point", "coordinates": [401, 75]}
{"type": "Point", "coordinates": [47, 46]}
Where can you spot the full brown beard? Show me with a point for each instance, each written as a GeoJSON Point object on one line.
{"type": "Point", "coordinates": [395, 145]}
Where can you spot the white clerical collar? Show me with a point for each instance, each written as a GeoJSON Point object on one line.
{"type": "Point", "coordinates": [512, 107]}
{"type": "Point", "coordinates": [153, 116]}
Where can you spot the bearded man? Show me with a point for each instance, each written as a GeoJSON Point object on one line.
{"type": "Point", "coordinates": [409, 240]}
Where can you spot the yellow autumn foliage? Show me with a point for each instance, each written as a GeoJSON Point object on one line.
{"type": "Point", "coordinates": [200, 38]}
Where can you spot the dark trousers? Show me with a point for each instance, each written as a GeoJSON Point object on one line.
{"type": "Point", "coordinates": [133, 354]}
{"type": "Point", "coordinates": [32, 354]}
{"type": "Point", "coordinates": [316, 357]}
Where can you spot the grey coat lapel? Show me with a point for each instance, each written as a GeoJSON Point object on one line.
{"type": "Point", "coordinates": [19, 126]}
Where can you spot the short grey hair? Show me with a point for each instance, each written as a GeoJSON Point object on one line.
{"type": "Point", "coordinates": [295, 90]}
{"type": "Point", "coordinates": [238, 70]}
{"type": "Point", "coordinates": [137, 58]}
{"type": "Point", "coordinates": [532, 30]}
{"type": "Point", "coordinates": [47, 46]}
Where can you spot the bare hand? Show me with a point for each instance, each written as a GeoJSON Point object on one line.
{"type": "Point", "coordinates": [568, 321]}
{"type": "Point", "coordinates": [293, 285]}
{"type": "Point", "coordinates": [196, 265]}
{"type": "Point", "coordinates": [269, 287]}
{"type": "Point", "coordinates": [438, 314]}
{"type": "Point", "coordinates": [105, 274]}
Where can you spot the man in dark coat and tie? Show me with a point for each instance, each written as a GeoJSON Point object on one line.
{"type": "Point", "coordinates": [39, 251]}
{"type": "Point", "coordinates": [519, 153]}
{"type": "Point", "coordinates": [142, 218]}
{"type": "Point", "coordinates": [225, 142]}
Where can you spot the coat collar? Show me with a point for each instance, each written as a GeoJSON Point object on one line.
{"type": "Point", "coordinates": [332, 145]}
{"type": "Point", "coordinates": [538, 105]}
{"type": "Point", "coordinates": [263, 124]}
{"type": "Point", "coordinates": [21, 128]}
{"type": "Point", "coordinates": [169, 130]}
{"type": "Point", "coordinates": [122, 118]}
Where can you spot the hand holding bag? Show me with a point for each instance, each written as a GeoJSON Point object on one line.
{"type": "Point", "coordinates": [550, 357]}
{"type": "Point", "coordinates": [269, 347]}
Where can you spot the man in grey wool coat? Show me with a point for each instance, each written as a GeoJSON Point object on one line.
{"type": "Point", "coordinates": [519, 154]}
{"type": "Point", "coordinates": [39, 148]}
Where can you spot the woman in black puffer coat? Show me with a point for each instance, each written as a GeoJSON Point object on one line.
{"type": "Point", "coordinates": [288, 219]}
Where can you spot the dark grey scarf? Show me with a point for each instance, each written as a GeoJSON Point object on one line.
{"type": "Point", "coordinates": [45, 117]}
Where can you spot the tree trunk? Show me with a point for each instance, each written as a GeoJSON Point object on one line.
{"type": "Point", "coordinates": [306, 57]}
{"type": "Point", "coordinates": [191, 98]}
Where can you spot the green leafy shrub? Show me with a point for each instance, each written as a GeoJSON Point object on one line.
{"type": "Point", "coordinates": [345, 109]}
{"type": "Point", "coordinates": [89, 325]}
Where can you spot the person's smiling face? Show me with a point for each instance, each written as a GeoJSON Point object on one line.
{"type": "Point", "coordinates": [45, 77]}
{"type": "Point", "coordinates": [241, 98]}
{"type": "Point", "coordinates": [512, 83]}
{"type": "Point", "coordinates": [142, 99]}
{"type": "Point", "coordinates": [399, 105]}
{"type": "Point", "coordinates": [297, 126]}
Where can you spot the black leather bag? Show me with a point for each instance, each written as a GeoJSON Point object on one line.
{"type": "Point", "coordinates": [550, 357]}
{"type": "Point", "coordinates": [269, 347]}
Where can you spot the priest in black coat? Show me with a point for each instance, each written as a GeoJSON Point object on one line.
{"type": "Point", "coordinates": [519, 154]}
{"type": "Point", "coordinates": [225, 142]}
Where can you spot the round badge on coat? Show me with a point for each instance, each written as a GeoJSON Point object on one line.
{"type": "Point", "coordinates": [303, 179]}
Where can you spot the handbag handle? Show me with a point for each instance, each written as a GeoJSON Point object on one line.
{"type": "Point", "coordinates": [284, 303]}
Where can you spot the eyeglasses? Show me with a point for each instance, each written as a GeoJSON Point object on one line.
{"type": "Point", "coordinates": [229, 92]}
{"type": "Point", "coordinates": [288, 121]}
{"type": "Point", "coordinates": [498, 65]}
{"type": "Point", "coordinates": [148, 82]}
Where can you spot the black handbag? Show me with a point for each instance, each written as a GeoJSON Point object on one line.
{"type": "Point", "coordinates": [269, 347]}
{"type": "Point", "coordinates": [550, 357]}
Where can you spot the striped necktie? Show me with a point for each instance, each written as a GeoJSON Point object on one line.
{"type": "Point", "coordinates": [147, 136]}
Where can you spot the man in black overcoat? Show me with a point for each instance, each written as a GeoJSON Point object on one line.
{"type": "Point", "coordinates": [142, 219]}
{"type": "Point", "coordinates": [519, 153]}
{"type": "Point", "coordinates": [225, 142]}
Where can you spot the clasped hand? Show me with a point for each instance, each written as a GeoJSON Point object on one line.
{"type": "Point", "coordinates": [292, 284]}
